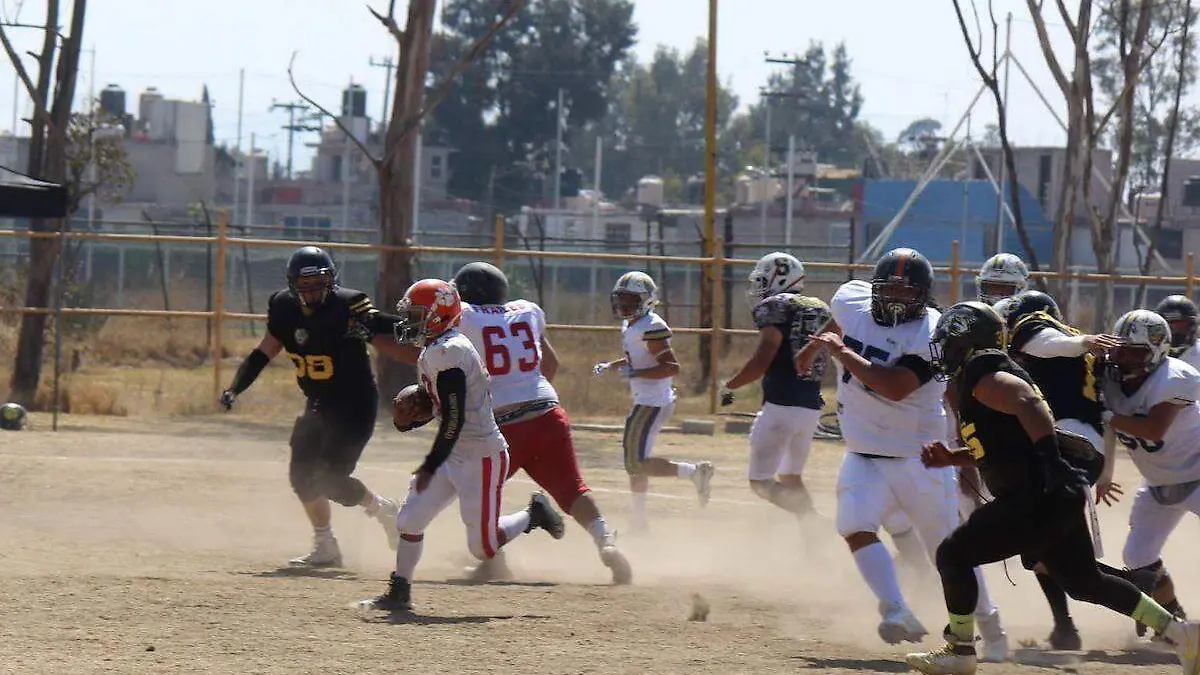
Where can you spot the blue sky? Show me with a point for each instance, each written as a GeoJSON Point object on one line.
{"type": "Point", "coordinates": [908, 56]}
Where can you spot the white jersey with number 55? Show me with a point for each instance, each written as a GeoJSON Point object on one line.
{"type": "Point", "coordinates": [509, 340]}
{"type": "Point", "coordinates": [871, 424]}
{"type": "Point", "coordinates": [1176, 458]}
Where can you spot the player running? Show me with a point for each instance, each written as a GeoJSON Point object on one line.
{"type": "Point", "coordinates": [511, 336]}
{"type": "Point", "coordinates": [469, 457]}
{"type": "Point", "coordinates": [1038, 504]}
{"type": "Point", "coordinates": [781, 438]}
{"type": "Point", "coordinates": [325, 327]}
{"type": "Point", "coordinates": [1067, 368]}
{"type": "Point", "coordinates": [650, 365]}
{"type": "Point", "coordinates": [889, 407]}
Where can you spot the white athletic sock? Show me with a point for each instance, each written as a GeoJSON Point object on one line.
{"type": "Point", "coordinates": [599, 530]}
{"type": "Point", "coordinates": [911, 550]}
{"type": "Point", "coordinates": [407, 555]}
{"type": "Point", "coordinates": [323, 533]}
{"type": "Point", "coordinates": [639, 509]}
{"type": "Point", "coordinates": [983, 605]}
{"type": "Point", "coordinates": [514, 524]}
{"type": "Point", "coordinates": [685, 470]}
{"type": "Point", "coordinates": [877, 569]}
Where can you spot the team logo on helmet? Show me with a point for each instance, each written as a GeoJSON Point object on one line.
{"type": "Point", "coordinates": [445, 296]}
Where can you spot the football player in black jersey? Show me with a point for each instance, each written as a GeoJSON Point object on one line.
{"type": "Point", "coordinates": [1037, 508]}
{"type": "Point", "coordinates": [325, 328]}
{"type": "Point", "coordinates": [781, 437]}
{"type": "Point", "coordinates": [1066, 366]}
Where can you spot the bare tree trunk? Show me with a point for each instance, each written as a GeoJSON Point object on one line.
{"type": "Point", "coordinates": [396, 178]}
{"type": "Point", "coordinates": [51, 137]}
{"type": "Point", "coordinates": [1185, 48]}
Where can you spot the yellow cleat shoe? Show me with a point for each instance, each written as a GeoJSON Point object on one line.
{"type": "Point", "coordinates": [954, 658]}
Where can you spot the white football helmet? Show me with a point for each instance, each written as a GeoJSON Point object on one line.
{"type": "Point", "coordinates": [1145, 341]}
{"type": "Point", "coordinates": [1002, 276]}
{"type": "Point", "coordinates": [776, 273]}
{"type": "Point", "coordinates": [629, 286]}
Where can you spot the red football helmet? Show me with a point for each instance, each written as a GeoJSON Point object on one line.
{"type": "Point", "coordinates": [429, 308]}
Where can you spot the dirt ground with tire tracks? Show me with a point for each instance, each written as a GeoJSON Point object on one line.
{"type": "Point", "coordinates": [131, 546]}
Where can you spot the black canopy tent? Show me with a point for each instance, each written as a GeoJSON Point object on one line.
{"type": "Point", "coordinates": [25, 197]}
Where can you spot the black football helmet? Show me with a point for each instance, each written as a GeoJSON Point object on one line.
{"type": "Point", "coordinates": [961, 331]}
{"type": "Point", "coordinates": [315, 267]}
{"type": "Point", "coordinates": [1181, 315]}
{"type": "Point", "coordinates": [480, 283]}
{"type": "Point", "coordinates": [12, 417]}
{"type": "Point", "coordinates": [1027, 302]}
{"type": "Point", "coordinates": [900, 287]}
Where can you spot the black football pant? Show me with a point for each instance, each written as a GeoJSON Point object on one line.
{"type": "Point", "coordinates": [1049, 527]}
{"type": "Point", "coordinates": [327, 442]}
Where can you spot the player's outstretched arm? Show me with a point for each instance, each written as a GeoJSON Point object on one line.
{"type": "Point", "coordinates": [406, 353]}
{"type": "Point", "coordinates": [769, 339]}
{"type": "Point", "coordinates": [549, 359]}
{"type": "Point", "coordinates": [251, 367]}
{"type": "Point", "coordinates": [451, 395]}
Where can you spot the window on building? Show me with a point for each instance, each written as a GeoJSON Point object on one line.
{"type": "Point", "coordinates": [617, 236]}
{"type": "Point", "coordinates": [1043, 185]}
{"type": "Point", "coordinates": [436, 167]}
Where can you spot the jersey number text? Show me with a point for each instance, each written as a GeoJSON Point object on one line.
{"type": "Point", "coordinates": [868, 352]}
{"type": "Point", "coordinates": [497, 356]}
{"type": "Point", "coordinates": [313, 366]}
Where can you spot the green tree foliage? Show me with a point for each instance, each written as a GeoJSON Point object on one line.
{"type": "Point", "coordinates": [501, 117]}
{"type": "Point", "coordinates": [1155, 91]}
{"type": "Point", "coordinates": [655, 123]}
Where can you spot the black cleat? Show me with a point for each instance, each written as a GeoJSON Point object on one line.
{"type": "Point", "coordinates": [1065, 637]}
{"type": "Point", "coordinates": [397, 599]}
{"type": "Point", "coordinates": [543, 515]}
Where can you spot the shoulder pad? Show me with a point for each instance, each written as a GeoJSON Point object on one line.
{"type": "Point", "coordinates": [773, 311]}
{"type": "Point", "coordinates": [982, 363]}
{"type": "Point", "coordinates": [1182, 383]}
{"type": "Point", "coordinates": [656, 328]}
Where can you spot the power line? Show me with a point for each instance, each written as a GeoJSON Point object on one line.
{"type": "Point", "coordinates": [387, 64]}
{"type": "Point", "coordinates": [293, 126]}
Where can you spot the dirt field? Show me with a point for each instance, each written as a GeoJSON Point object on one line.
{"type": "Point", "coordinates": [132, 546]}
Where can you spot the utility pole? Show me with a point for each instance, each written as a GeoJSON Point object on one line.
{"type": "Point", "coordinates": [293, 126]}
{"type": "Point", "coordinates": [387, 64]}
{"type": "Point", "coordinates": [769, 97]}
{"type": "Point", "coordinates": [558, 142]}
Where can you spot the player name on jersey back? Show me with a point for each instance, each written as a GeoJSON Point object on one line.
{"type": "Point", "coordinates": [508, 338]}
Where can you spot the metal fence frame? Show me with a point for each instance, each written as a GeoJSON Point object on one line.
{"type": "Point", "coordinates": [497, 253]}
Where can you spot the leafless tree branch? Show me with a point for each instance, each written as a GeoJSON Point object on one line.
{"type": "Point", "coordinates": [444, 87]}
{"type": "Point", "coordinates": [325, 111]}
{"type": "Point", "coordinates": [1039, 23]}
{"type": "Point", "coordinates": [389, 21]}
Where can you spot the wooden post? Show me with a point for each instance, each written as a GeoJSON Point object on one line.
{"type": "Point", "coordinates": [718, 268]}
{"type": "Point", "coordinates": [954, 272]}
{"type": "Point", "coordinates": [219, 302]}
{"type": "Point", "coordinates": [1191, 279]}
{"type": "Point", "coordinates": [498, 256]}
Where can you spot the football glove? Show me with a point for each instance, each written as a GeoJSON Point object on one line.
{"type": "Point", "coordinates": [226, 400]}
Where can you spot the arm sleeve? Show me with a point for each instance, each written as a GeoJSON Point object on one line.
{"type": "Point", "coordinates": [274, 324]}
{"type": "Point", "coordinates": [363, 312]}
{"type": "Point", "coordinates": [919, 366]}
{"type": "Point", "coordinates": [452, 392]}
{"type": "Point", "coordinates": [252, 366]}
{"type": "Point", "coordinates": [1048, 344]}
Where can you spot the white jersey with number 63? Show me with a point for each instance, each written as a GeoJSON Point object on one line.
{"type": "Point", "coordinates": [509, 339]}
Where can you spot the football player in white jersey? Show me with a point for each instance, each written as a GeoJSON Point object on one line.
{"type": "Point", "coordinates": [1001, 276]}
{"type": "Point", "coordinates": [511, 336]}
{"type": "Point", "coordinates": [781, 438]}
{"type": "Point", "coordinates": [650, 366]}
{"type": "Point", "coordinates": [889, 407]}
{"type": "Point", "coordinates": [1153, 413]}
{"type": "Point", "coordinates": [469, 457]}
{"type": "Point", "coordinates": [1181, 315]}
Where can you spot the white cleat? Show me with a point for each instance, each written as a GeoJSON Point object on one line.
{"type": "Point", "coordinates": [1186, 636]}
{"type": "Point", "coordinates": [616, 561]}
{"type": "Point", "coordinates": [995, 640]}
{"type": "Point", "coordinates": [325, 553]}
{"type": "Point", "coordinates": [493, 569]}
{"type": "Point", "coordinates": [954, 658]}
{"type": "Point", "coordinates": [703, 481]}
{"type": "Point", "coordinates": [900, 625]}
{"type": "Point", "coordinates": [386, 515]}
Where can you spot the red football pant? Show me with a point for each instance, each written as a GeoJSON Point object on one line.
{"type": "Point", "coordinates": [542, 447]}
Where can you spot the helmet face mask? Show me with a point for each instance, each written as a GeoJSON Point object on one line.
{"type": "Point", "coordinates": [992, 292]}
{"type": "Point", "coordinates": [312, 290]}
{"type": "Point", "coordinates": [900, 287]}
{"type": "Point", "coordinates": [311, 276]}
{"type": "Point", "coordinates": [429, 308]}
{"type": "Point", "coordinates": [1183, 335]}
{"type": "Point", "coordinates": [633, 296]}
{"type": "Point", "coordinates": [898, 302]}
{"type": "Point", "coordinates": [1003, 275]}
{"type": "Point", "coordinates": [625, 305]}
{"type": "Point", "coordinates": [961, 331]}
{"type": "Point", "coordinates": [1145, 343]}
{"type": "Point", "coordinates": [1181, 315]}
{"type": "Point", "coordinates": [411, 327]}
